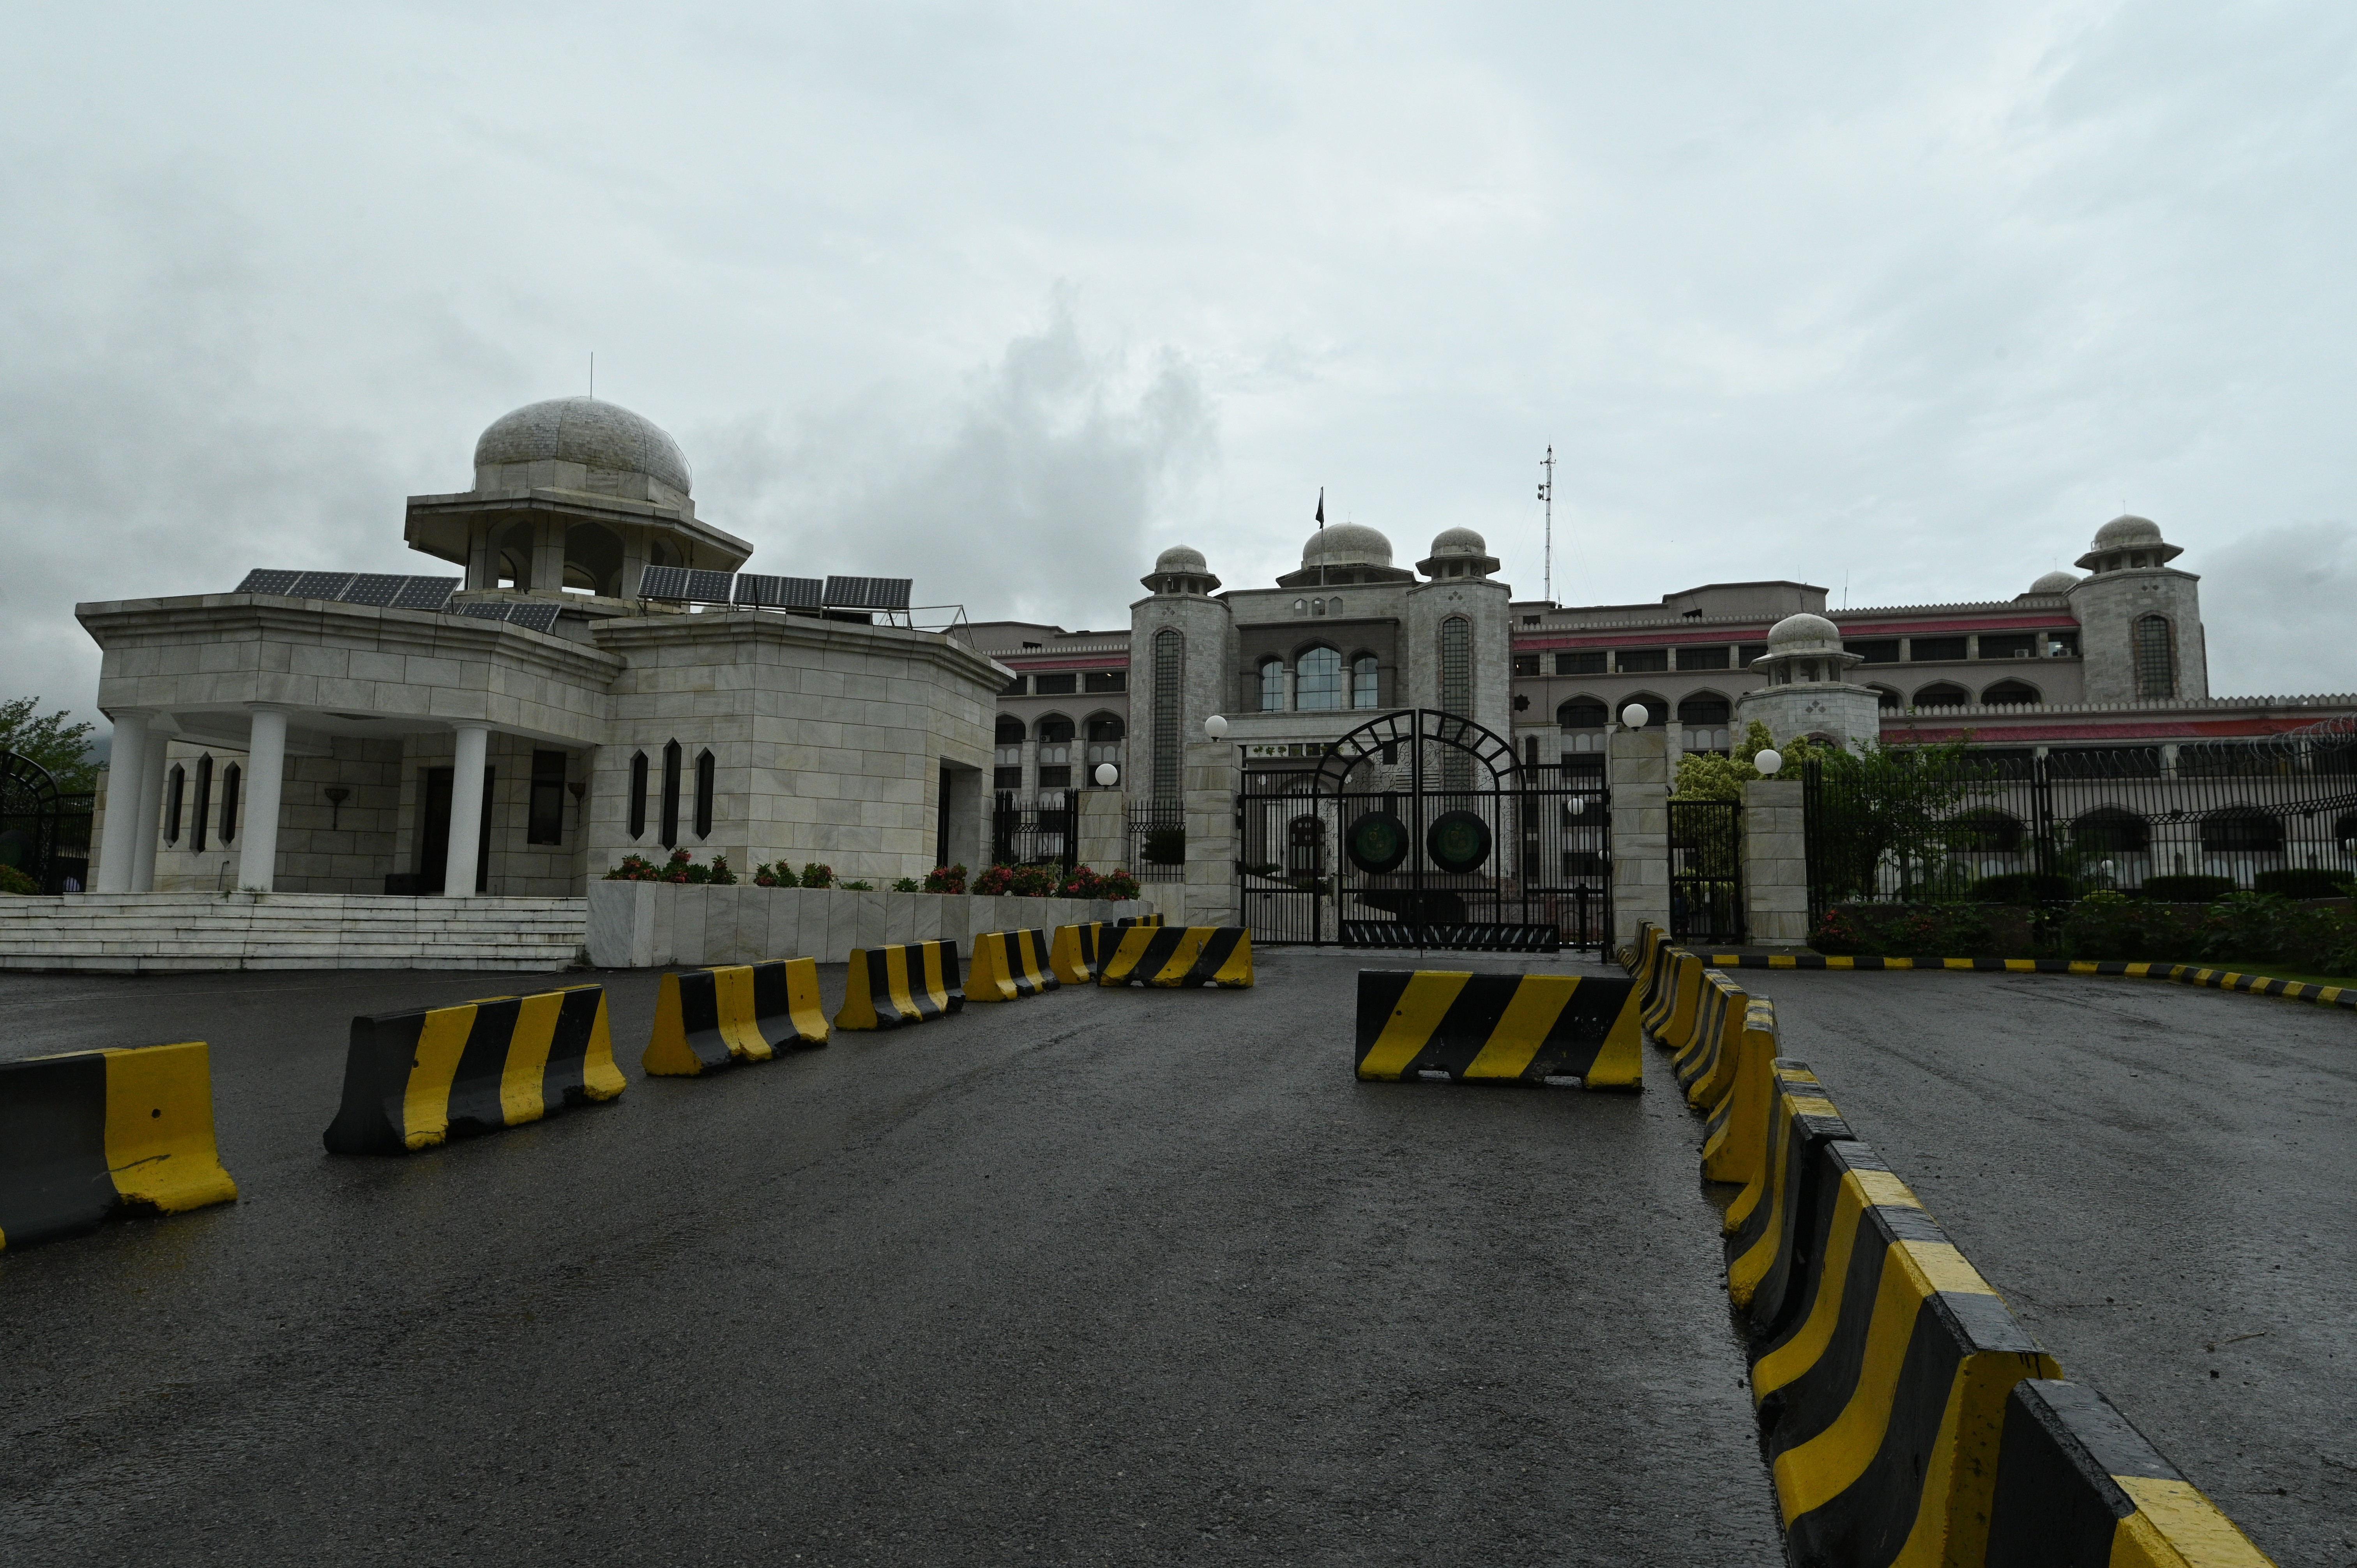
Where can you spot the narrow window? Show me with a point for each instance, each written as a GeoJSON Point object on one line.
{"type": "Point", "coordinates": [176, 784]}
{"type": "Point", "coordinates": [2156, 657]}
{"type": "Point", "coordinates": [1319, 685]}
{"type": "Point", "coordinates": [670, 794]}
{"type": "Point", "coordinates": [198, 819]}
{"type": "Point", "coordinates": [1272, 686]}
{"type": "Point", "coordinates": [706, 773]}
{"type": "Point", "coordinates": [233, 780]}
{"type": "Point", "coordinates": [1169, 670]}
{"type": "Point", "coordinates": [638, 794]}
{"type": "Point", "coordinates": [1365, 682]}
{"type": "Point", "coordinates": [544, 824]}
{"type": "Point", "coordinates": [1457, 666]}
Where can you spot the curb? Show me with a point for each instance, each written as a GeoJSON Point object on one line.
{"type": "Point", "coordinates": [2345, 996]}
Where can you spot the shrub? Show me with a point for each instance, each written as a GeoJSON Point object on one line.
{"type": "Point", "coordinates": [856, 887]}
{"type": "Point", "coordinates": [2109, 926]}
{"type": "Point", "coordinates": [1080, 883]}
{"type": "Point", "coordinates": [992, 883]}
{"type": "Point", "coordinates": [1904, 930]}
{"type": "Point", "coordinates": [14, 881]}
{"type": "Point", "coordinates": [2303, 882]}
{"type": "Point", "coordinates": [778, 875]}
{"type": "Point", "coordinates": [908, 884]}
{"type": "Point", "coordinates": [1034, 881]}
{"type": "Point", "coordinates": [679, 868]}
{"type": "Point", "coordinates": [817, 876]}
{"type": "Point", "coordinates": [2187, 889]}
{"type": "Point", "coordinates": [1119, 887]}
{"type": "Point", "coordinates": [946, 879]}
{"type": "Point", "coordinates": [1165, 846]}
{"type": "Point", "coordinates": [2024, 887]}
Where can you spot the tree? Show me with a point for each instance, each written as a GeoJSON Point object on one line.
{"type": "Point", "coordinates": [61, 748]}
{"type": "Point", "coordinates": [1707, 776]}
{"type": "Point", "coordinates": [1896, 805]}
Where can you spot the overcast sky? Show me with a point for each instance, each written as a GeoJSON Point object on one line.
{"type": "Point", "coordinates": [1901, 300]}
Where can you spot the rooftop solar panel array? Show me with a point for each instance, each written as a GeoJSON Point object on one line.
{"type": "Point", "coordinates": [538, 617]}
{"type": "Point", "coordinates": [424, 593]}
{"type": "Point", "coordinates": [495, 611]}
{"type": "Point", "coordinates": [260, 581]}
{"type": "Point", "coordinates": [780, 593]}
{"type": "Point", "coordinates": [382, 590]}
{"type": "Point", "coordinates": [662, 583]}
{"type": "Point", "coordinates": [712, 588]}
{"type": "Point", "coordinates": [321, 586]}
{"type": "Point", "coordinates": [868, 593]}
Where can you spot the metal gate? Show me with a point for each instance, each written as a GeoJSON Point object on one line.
{"type": "Point", "coordinates": [44, 831]}
{"type": "Point", "coordinates": [1040, 832]}
{"type": "Point", "coordinates": [1707, 872]}
{"type": "Point", "coordinates": [1424, 820]}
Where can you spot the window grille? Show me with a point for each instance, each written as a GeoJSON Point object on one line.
{"type": "Point", "coordinates": [1169, 672]}
{"type": "Point", "coordinates": [638, 794]}
{"type": "Point", "coordinates": [708, 772]}
{"type": "Point", "coordinates": [1457, 696]}
{"type": "Point", "coordinates": [670, 782]}
{"type": "Point", "coordinates": [1318, 687]}
{"type": "Point", "coordinates": [2156, 657]}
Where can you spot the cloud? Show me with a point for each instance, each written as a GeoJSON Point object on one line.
{"type": "Point", "coordinates": [2276, 611]}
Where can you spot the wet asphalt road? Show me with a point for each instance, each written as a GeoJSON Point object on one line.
{"type": "Point", "coordinates": [1129, 1277]}
{"type": "Point", "coordinates": [2161, 1181]}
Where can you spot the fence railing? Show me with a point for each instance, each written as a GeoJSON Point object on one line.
{"type": "Point", "coordinates": [1157, 840]}
{"type": "Point", "coordinates": [1041, 831]}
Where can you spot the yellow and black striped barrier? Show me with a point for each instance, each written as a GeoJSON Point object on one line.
{"type": "Point", "coordinates": [1801, 1119]}
{"type": "Point", "coordinates": [889, 988]}
{"type": "Point", "coordinates": [416, 1079]}
{"type": "Point", "coordinates": [88, 1133]}
{"type": "Point", "coordinates": [1707, 1064]}
{"type": "Point", "coordinates": [736, 1012]}
{"type": "Point", "coordinates": [2245, 982]}
{"type": "Point", "coordinates": [1735, 1139]}
{"type": "Point", "coordinates": [1188, 956]}
{"type": "Point", "coordinates": [2077, 1484]}
{"type": "Point", "coordinates": [1077, 954]}
{"type": "Point", "coordinates": [1008, 965]}
{"type": "Point", "coordinates": [1671, 1020]}
{"type": "Point", "coordinates": [1498, 1028]}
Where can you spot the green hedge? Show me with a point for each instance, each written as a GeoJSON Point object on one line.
{"type": "Point", "coordinates": [2187, 889]}
{"type": "Point", "coordinates": [2303, 882]}
{"type": "Point", "coordinates": [2024, 887]}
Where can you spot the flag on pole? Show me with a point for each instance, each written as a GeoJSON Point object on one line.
{"type": "Point", "coordinates": [1321, 506]}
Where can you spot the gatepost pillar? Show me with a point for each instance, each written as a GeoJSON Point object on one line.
{"type": "Point", "coordinates": [1637, 771]}
{"type": "Point", "coordinates": [1105, 830]}
{"type": "Point", "coordinates": [1775, 864]}
{"type": "Point", "coordinates": [1209, 894]}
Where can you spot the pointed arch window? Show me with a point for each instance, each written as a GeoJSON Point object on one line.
{"type": "Point", "coordinates": [2154, 643]}
{"type": "Point", "coordinates": [1272, 686]}
{"type": "Point", "coordinates": [670, 782]}
{"type": "Point", "coordinates": [1366, 683]}
{"type": "Point", "coordinates": [638, 794]}
{"type": "Point", "coordinates": [198, 819]}
{"type": "Point", "coordinates": [176, 787]}
{"type": "Point", "coordinates": [1317, 684]}
{"type": "Point", "coordinates": [1169, 672]}
{"type": "Point", "coordinates": [707, 775]}
{"type": "Point", "coordinates": [233, 785]}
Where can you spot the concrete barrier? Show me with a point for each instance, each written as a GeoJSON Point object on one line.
{"type": "Point", "coordinates": [1705, 1067]}
{"type": "Point", "coordinates": [1681, 1002]}
{"type": "Point", "coordinates": [1735, 1141]}
{"type": "Point", "coordinates": [1882, 1407]}
{"type": "Point", "coordinates": [1661, 995]}
{"type": "Point", "coordinates": [1188, 956]}
{"type": "Point", "coordinates": [1008, 965]}
{"type": "Point", "coordinates": [737, 1012]}
{"type": "Point", "coordinates": [89, 1132]}
{"type": "Point", "coordinates": [1646, 964]}
{"type": "Point", "coordinates": [1800, 1120]}
{"type": "Point", "coordinates": [1499, 1027]}
{"type": "Point", "coordinates": [416, 1079]}
{"type": "Point", "coordinates": [1078, 954]}
{"type": "Point", "coordinates": [892, 987]}
{"type": "Point", "coordinates": [2077, 1484]}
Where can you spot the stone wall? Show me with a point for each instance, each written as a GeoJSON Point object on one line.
{"type": "Point", "coordinates": [644, 925]}
{"type": "Point", "coordinates": [138, 932]}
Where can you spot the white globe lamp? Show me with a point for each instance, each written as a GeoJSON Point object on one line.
{"type": "Point", "coordinates": [1634, 715]}
{"type": "Point", "coordinates": [1106, 774]}
{"type": "Point", "coordinates": [1216, 727]}
{"type": "Point", "coordinates": [1770, 762]}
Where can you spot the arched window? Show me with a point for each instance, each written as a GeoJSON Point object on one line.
{"type": "Point", "coordinates": [638, 794]}
{"type": "Point", "coordinates": [1317, 683]}
{"type": "Point", "coordinates": [671, 784]}
{"type": "Point", "coordinates": [1657, 709]}
{"type": "Point", "coordinates": [1055, 732]}
{"type": "Point", "coordinates": [175, 785]}
{"type": "Point", "coordinates": [1317, 606]}
{"type": "Point", "coordinates": [1008, 731]}
{"type": "Point", "coordinates": [1705, 708]}
{"type": "Point", "coordinates": [708, 769]}
{"type": "Point", "coordinates": [1306, 848]}
{"type": "Point", "coordinates": [200, 819]}
{"type": "Point", "coordinates": [1366, 681]}
{"type": "Point", "coordinates": [1169, 672]}
{"type": "Point", "coordinates": [1272, 686]}
{"type": "Point", "coordinates": [233, 782]}
{"type": "Point", "coordinates": [1884, 698]}
{"type": "Point", "coordinates": [1334, 606]}
{"type": "Point", "coordinates": [1301, 606]}
{"type": "Point", "coordinates": [2108, 830]}
{"type": "Point", "coordinates": [511, 558]}
{"type": "Point", "coordinates": [1582, 712]}
{"type": "Point", "coordinates": [1104, 735]}
{"type": "Point", "coordinates": [2010, 694]}
{"type": "Point", "coordinates": [2241, 828]}
{"type": "Point", "coordinates": [1987, 832]}
{"type": "Point", "coordinates": [2154, 642]}
{"type": "Point", "coordinates": [1942, 694]}
{"type": "Point", "coordinates": [593, 559]}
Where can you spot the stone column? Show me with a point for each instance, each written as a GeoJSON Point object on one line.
{"type": "Point", "coordinates": [266, 781]}
{"type": "Point", "coordinates": [548, 555]}
{"type": "Point", "coordinates": [1775, 864]}
{"type": "Point", "coordinates": [1104, 828]}
{"type": "Point", "coordinates": [153, 767]}
{"type": "Point", "coordinates": [1030, 790]}
{"type": "Point", "coordinates": [127, 784]}
{"type": "Point", "coordinates": [1209, 894]}
{"type": "Point", "coordinates": [466, 811]}
{"type": "Point", "coordinates": [1636, 769]}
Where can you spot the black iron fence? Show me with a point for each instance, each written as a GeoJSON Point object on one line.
{"type": "Point", "coordinates": [44, 831]}
{"type": "Point", "coordinates": [1707, 871]}
{"type": "Point", "coordinates": [1157, 840]}
{"type": "Point", "coordinates": [1043, 830]}
{"type": "Point", "coordinates": [1998, 825]}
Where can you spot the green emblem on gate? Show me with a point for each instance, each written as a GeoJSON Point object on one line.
{"type": "Point", "coordinates": [1376, 842]}
{"type": "Point", "coordinates": [1457, 841]}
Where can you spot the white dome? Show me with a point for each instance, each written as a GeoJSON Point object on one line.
{"type": "Point", "coordinates": [1182, 558]}
{"type": "Point", "coordinates": [1346, 545]}
{"type": "Point", "coordinates": [1804, 633]}
{"type": "Point", "coordinates": [1458, 542]}
{"type": "Point", "coordinates": [2055, 582]}
{"type": "Point", "coordinates": [2126, 532]}
{"type": "Point", "coordinates": [600, 435]}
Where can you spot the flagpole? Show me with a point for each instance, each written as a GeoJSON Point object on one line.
{"type": "Point", "coordinates": [1322, 528]}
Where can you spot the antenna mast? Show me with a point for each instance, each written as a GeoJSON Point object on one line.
{"type": "Point", "coordinates": [1546, 494]}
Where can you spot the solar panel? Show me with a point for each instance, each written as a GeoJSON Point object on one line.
{"type": "Point", "coordinates": [662, 583]}
{"type": "Point", "coordinates": [261, 581]}
{"type": "Point", "coordinates": [868, 593]}
{"type": "Point", "coordinates": [371, 589]}
{"type": "Point", "coordinates": [423, 593]}
{"type": "Point", "coordinates": [712, 588]}
{"type": "Point", "coordinates": [479, 611]}
{"type": "Point", "coordinates": [779, 593]}
{"type": "Point", "coordinates": [538, 617]}
{"type": "Point", "coordinates": [320, 586]}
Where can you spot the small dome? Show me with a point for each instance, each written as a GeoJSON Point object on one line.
{"type": "Point", "coordinates": [1180, 569]}
{"type": "Point", "coordinates": [2055, 582]}
{"type": "Point", "coordinates": [2126, 532]}
{"type": "Point", "coordinates": [1182, 558]}
{"type": "Point", "coordinates": [1458, 552]}
{"type": "Point", "coordinates": [1803, 633]}
{"type": "Point", "coordinates": [1458, 542]}
{"type": "Point", "coordinates": [1346, 545]}
{"type": "Point", "coordinates": [603, 436]}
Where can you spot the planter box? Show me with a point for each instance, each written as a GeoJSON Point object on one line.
{"type": "Point", "coordinates": [657, 925]}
